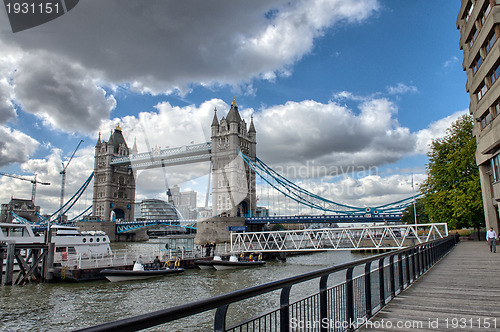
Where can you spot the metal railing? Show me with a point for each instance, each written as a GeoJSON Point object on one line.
{"type": "Point", "coordinates": [343, 307]}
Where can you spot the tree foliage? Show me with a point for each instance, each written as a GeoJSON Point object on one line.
{"type": "Point", "coordinates": [452, 189]}
{"type": "Point", "coordinates": [409, 215]}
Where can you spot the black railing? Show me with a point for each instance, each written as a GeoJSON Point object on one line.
{"type": "Point", "coordinates": [343, 307]}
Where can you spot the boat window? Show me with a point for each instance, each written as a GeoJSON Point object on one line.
{"type": "Point", "coordinates": [103, 239]}
{"type": "Point", "coordinates": [84, 240]}
{"type": "Point", "coordinates": [91, 240]}
{"type": "Point", "coordinates": [97, 240]}
{"type": "Point", "coordinates": [71, 250]}
{"type": "Point", "coordinates": [61, 249]}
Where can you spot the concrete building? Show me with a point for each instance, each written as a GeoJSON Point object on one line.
{"type": "Point", "coordinates": [478, 21]}
{"type": "Point", "coordinates": [185, 202]}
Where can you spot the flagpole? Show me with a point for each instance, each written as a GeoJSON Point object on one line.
{"type": "Point", "coordinates": [414, 205]}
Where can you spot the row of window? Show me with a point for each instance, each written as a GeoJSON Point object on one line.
{"type": "Point", "coordinates": [490, 114]}
{"type": "Point", "coordinates": [491, 78]}
{"type": "Point", "coordinates": [490, 41]}
{"type": "Point", "coordinates": [479, 23]}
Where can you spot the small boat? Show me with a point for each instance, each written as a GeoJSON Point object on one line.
{"type": "Point", "coordinates": [114, 275]}
{"type": "Point", "coordinates": [233, 263]}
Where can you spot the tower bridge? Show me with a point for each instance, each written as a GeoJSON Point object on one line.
{"type": "Point", "coordinates": [235, 168]}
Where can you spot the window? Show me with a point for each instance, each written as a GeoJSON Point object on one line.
{"type": "Point", "coordinates": [495, 108]}
{"type": "Point", "coordinates": [484, 13]}
{"type": "Point", "coordinates": [473, 37]}
{"type": "Point", "coordinates": [487, 10]}
{"type": "Point", "coordinates": [481, 91]}
{"type": "Point", "coordinates": [495, 167]}
{"type": "Point", "coordinates": [477, 64]}
{"type": "Point", "coordinates": [486, 119]}
{"type": "Point", "coordinates": [469, 11]}
{"type": "Point", "coordinates": [494, 73]}
{"type": "Point", "coordinates": [491, 41]}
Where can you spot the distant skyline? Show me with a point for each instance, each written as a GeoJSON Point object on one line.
{"type": "Point", "coordinates": [355, 87]}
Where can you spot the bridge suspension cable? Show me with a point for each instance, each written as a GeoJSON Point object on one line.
{"type": "Point", "coordinates": [69, 204]}
{"type": "Point", "coordinates": [314, 201]}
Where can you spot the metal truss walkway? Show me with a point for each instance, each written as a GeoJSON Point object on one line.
{"type": "Point", "coordinates": [186, 154]}
{"type": "Point", "coordinates": [352, 238]}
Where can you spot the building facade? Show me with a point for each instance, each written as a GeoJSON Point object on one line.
{"type": "Point", "coordinates": [155, 209]}
{"type": "Point", "coordinates": [184, 201]}
{"type": "Point", "coordinates": [478, 22]}
{"type": "Point", "coordinates": [233, 181]}
{"type": "Point", "coordinates": [114, 186]}
{"type": "Point", "coordinates": [25, 208]}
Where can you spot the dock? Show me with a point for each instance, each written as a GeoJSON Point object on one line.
{"type": "Point", "coordinates": [461, 292]}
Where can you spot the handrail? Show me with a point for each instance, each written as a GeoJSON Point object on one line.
{"type": "Point", "coordinates": [221, 301]}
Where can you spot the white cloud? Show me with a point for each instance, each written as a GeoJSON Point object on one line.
{"type": "Point", "coordinates": [168, 46]}
{"type": "Point", "coordinates": [434, 131]}
{"type": "Point", "coordinates": [331, 135]}
{"type": "Point", "coordinates": [62, 93]}
{"type": "Point", "coordinates": [7, 111]}
{"type": "Point", "coordinates": [401, 88]}
{"type": "Point", "coordinates": [15, 146]}
{"type": "Point", "coordinates": [47, 170]}
{"type": "Point", "coordinates": [450, 62]}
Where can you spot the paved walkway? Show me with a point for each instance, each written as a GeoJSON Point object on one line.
{"type": "Point", "coordinates": [460, 293]}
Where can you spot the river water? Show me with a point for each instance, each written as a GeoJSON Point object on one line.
{"type": "Point", "coordinates": [69, 306]}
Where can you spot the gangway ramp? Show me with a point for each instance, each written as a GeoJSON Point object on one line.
{"type": "Point", "coordinates": [387, 237]}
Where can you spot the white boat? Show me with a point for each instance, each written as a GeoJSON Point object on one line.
{"type": "Point", "coordinates": [69, 241]}
{"type": "Point", "coordinates": [233, 263]}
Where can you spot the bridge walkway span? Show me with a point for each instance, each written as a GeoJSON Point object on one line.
{"type": "Point", "coordinates": [460, 293]}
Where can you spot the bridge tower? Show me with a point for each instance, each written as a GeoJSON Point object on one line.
{"type": "Point", "coordinates": [233, 181]}
{"type": "Point", "coordinates": [114, 186]}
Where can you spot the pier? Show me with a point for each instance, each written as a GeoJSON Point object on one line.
{"type": "Point", "coordinates": [459, 293]}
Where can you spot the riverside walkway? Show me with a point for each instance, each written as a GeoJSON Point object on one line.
{"type": "Point", "coordinates": [460, 293]}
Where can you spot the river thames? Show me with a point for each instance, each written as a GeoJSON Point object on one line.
{"type": "Point", "coordinates": [70, 306]}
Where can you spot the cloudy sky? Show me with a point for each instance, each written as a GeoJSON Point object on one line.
{"type": "Point", "coordinates": [346, 95]}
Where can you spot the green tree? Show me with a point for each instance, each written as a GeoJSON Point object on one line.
{"type": "Point", "coordinates": [452, 189]}
{"type": "Point", "coordinates": [409, 216]}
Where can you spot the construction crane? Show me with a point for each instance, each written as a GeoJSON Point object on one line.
{"type": "Point", "coordinates": [63, 181]}
{"type": "Point", "coordinates": [34, 181]}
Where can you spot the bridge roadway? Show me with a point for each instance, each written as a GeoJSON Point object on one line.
{"type": "Point", "coordinates": [457, 294]}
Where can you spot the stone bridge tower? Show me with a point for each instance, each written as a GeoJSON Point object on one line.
{"type": "Point", "coordinates": [233, 181]}
{"type": "Point", "coordinates": [114, 186]}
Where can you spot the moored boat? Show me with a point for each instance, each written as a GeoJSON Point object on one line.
{"type": "Point", "coordinates": [115, 275]}
{"type": "Point", "coordinates": [234, 263]}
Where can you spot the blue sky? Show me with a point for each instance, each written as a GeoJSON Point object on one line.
{"type": "Point", "coordinates": [331, 83]}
